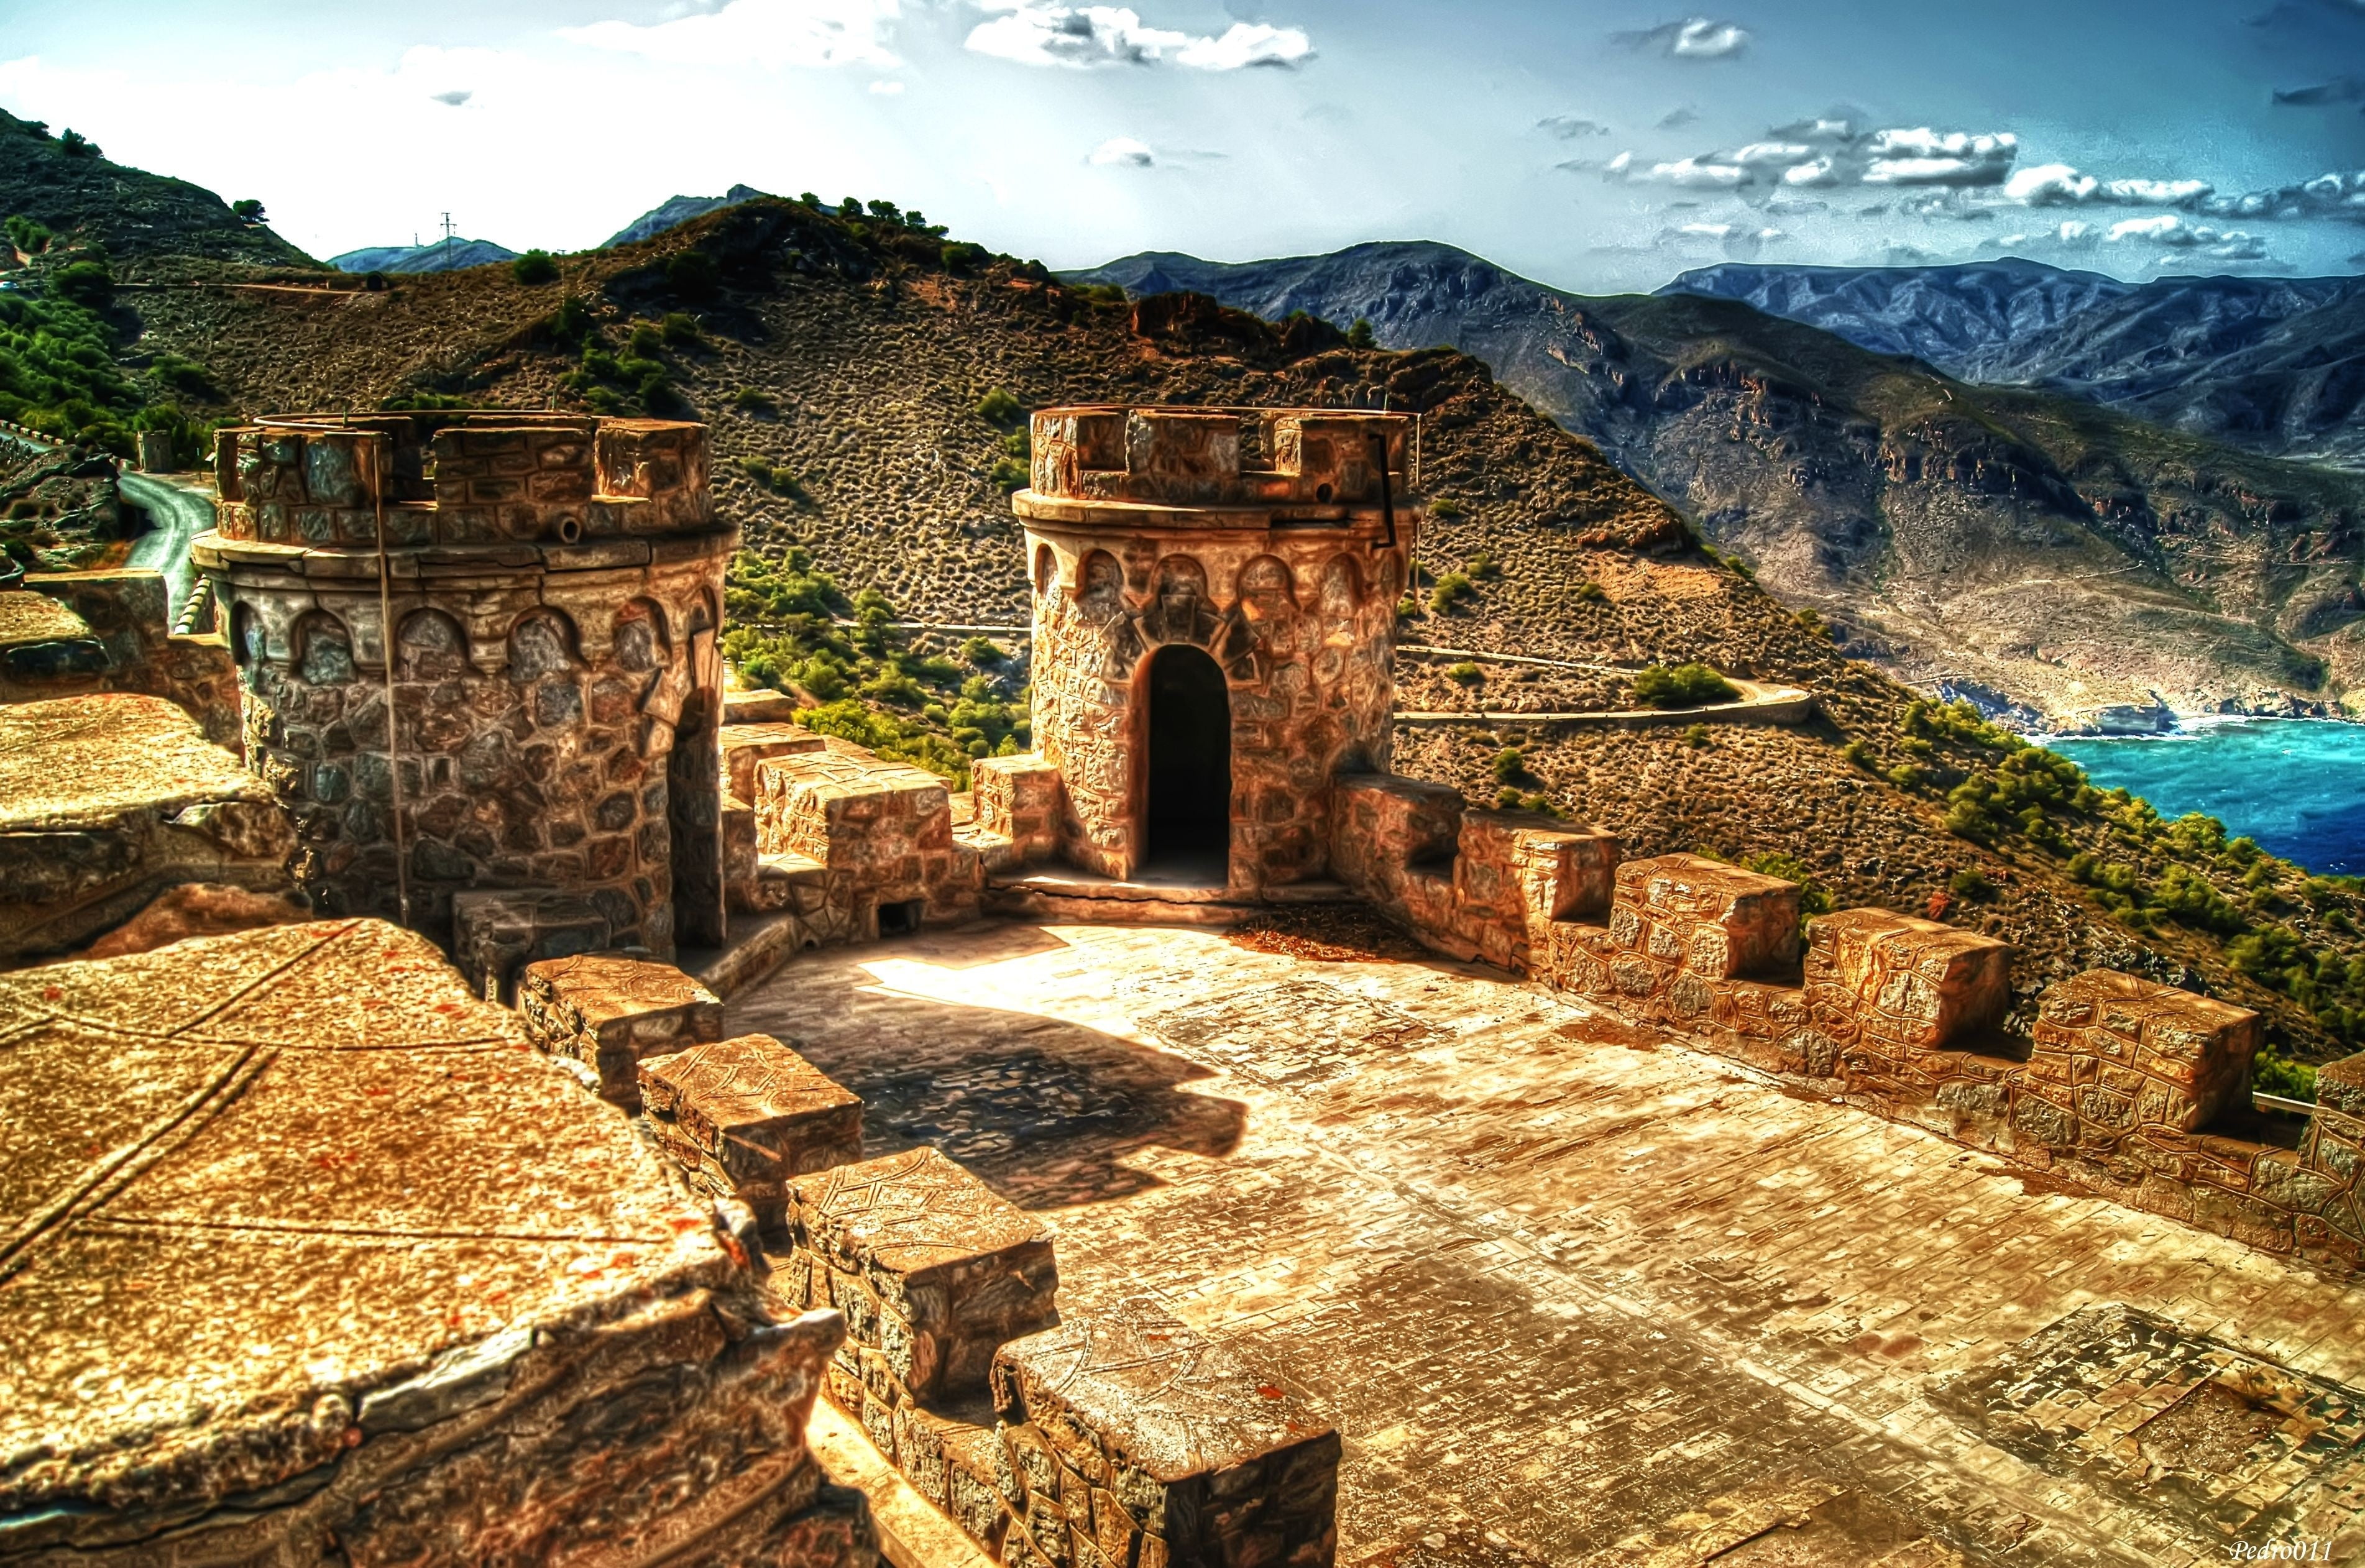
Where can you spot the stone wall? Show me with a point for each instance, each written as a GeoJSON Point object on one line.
{"type": "Point", "coordinates": [2136, 1091]}
{"type": "Point", "coordinates": [556, 680]}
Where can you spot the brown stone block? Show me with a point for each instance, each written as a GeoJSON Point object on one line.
{"type": "Point", "coordinates": [609, 1012]}
{"type": "Point", "coordinates": [747, 1115]}
{"type": "Point", "coordinates": [1754, 919]}
{"type": "Point", "coordinates": [745, 746]}
{"type": "Point", "coordinates": [1914, 982]}
{"type": "Point", "coordinates": [1567, 870]}
{"type": "Point", "coordinates": [2196, 1050]}
{"type": "Point", "coordinates": [1206, 1456]}
{"type": "Point", "coordinates": [956, 1270]}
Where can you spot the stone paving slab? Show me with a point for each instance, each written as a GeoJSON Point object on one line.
{"type": "Point", "coordinates": [1566, 1285]}
{"type": "Point", "coordinates": [78, 762]}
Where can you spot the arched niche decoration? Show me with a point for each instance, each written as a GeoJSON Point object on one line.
{"type": "Point", "coordinates": [1267, 588]}
{"type": "Point", "coordinates": [430, 646]}
{"type": "Point", "coordinates": [542, 643]}
{"type": "Point", "coordinates": [247, 642]}
{"type": "Point", "coordinates": [638, 643]}
{"type": "Point", "coordinates": [1100, 583]}
{"type": "Point", "coordinates": [1341, 592]}
{"type": "Point", "coordinates": [321, 649]}
{"type": "Point", "coordinates": [1047, 568]}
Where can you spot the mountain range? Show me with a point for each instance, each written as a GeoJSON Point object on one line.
{"type": "Point", "coordinates": [2052, 556]}
{"type": "Point", "coordinates": [442, 256]}
{"type": "Point", "coordinates": [2274, 364]}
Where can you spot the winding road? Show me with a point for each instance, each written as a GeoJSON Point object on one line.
{"type": "Point", "coordinates": [175, 517]}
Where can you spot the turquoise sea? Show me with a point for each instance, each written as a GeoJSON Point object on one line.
{"type": "Point", "coordinates": [2295, 785]}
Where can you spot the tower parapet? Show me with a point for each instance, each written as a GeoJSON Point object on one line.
{"type": "Point", "coordinates": [549, 589]}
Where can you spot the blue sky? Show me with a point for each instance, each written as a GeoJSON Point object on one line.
{"type": "Point", "coordinates": [1597, 144]}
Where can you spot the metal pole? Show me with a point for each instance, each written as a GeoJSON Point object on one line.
{"type": "Point", "coordinates": [378, 470]}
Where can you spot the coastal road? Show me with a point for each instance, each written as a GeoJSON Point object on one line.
{"type": "Point", "coordinates": [175, 517]}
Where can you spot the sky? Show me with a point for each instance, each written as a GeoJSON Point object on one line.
{"type": "Point", "coordinates": [1598, 145]}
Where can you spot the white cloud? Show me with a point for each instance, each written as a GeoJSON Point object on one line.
{"type": "Point", "coordinates": [887, 89]}
{"type": "Point", "coordinates": [1042, 32]}
{"type": "Point", "coordinates": [1125, 151]}
{"type": "Point", "coordinates": [455, 98]}
{"type": "Point", "coordinates": [1692, 173]}
{"type": "Point", "coordinates": [1922, 156]}
{"type": "Point", "coordinates": [1568, 128]}
{"type": "Point", "coordinates": [1696, 38]}
{"type": "Point", "coordinates": [771, 33]}
{"type": "Point", "coordinates": [2058, 185]}
{"type": "Point", "coordinates": [1830, 152]}
{"type": "Point", "coordinates": [2179, 233]}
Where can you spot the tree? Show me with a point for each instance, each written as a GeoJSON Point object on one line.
{"type": "Point", "coordinates": [248, 210]}
{"type": "Point", "coordinates": [77, 145]}
{"type": "Point", "coordinates": [1359, 336]}
{"type": "Point", "coordinates": [534, 266]}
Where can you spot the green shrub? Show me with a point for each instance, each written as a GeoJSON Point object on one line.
{"type": "Point", "coordinates": [681, 331]}
{"type": "Point", "coordinates": [1971, 882]}
{"type": "Point", "coordinates": [1682, 686]}
{"type": "Point", "coordinates": [961, 256]}
{"type": "Point", "coordinates": [985, 653]}
{"type": "Point", "coordinates": [1360, 335]}
{"type": "Point", "coordinates": [1857, 753]}
{"type": "Point", "coordinates": [1483, 567]}
{"type": "Point", "coordinates": [1510, 766]}
{"type": "Point", "coordinates": [1445, 507]}
{"type": "Point", "coordinates": [1451, 590]}
{"type": "Point", "coordinates": [1465, 673]}
{"type": "Point", "coordinates": [1696, 736]}
{"type": "Point", "coordinates": [692, 274]}
{"type": "Point", "coordinates": [997, 408]}
{"type": "Point", "coordinates": [1814, 899]}
{"type": "Point", "coordinates": [86, 284]}
{"type": "Point", "coordinates": [77, 145]}
{"type": "Point", "coordinates": [1008, 475]}
{"type": "Point", "coordinates": [28, 236]}
{"type": "Point", "coordinates": [2271, 1073]}
{"type": "Point", "coordinates": [751, 401]}
{"type": "Point", "coordinates": [1590, 592]}
{"type": "Point", "coordinates": [644, 341]}
{"type": "Point", "coordinates": [535, 267]}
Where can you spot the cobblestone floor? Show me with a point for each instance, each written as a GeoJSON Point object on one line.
{"type": "Point", "coordinates": [1573, 1292]}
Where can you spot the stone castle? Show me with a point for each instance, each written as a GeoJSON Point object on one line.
{"type": "Point", "coordinates": [480, 716]}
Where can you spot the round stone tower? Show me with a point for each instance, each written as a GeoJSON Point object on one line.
{"type": "Point", "coordinates": [555, 588]}
{"type": "Point", "coordinates": [1215, 612]}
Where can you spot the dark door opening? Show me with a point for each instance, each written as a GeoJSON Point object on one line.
{"type": "Point", "coordinates": [901, 918]}
{"type": "Point", "coordinates": [1189, 817]}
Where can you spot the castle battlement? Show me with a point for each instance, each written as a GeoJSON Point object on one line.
{"type": "Point", "coordinates": [493, 478]}
{"type": "Point", "coordinates": [1290, 465]}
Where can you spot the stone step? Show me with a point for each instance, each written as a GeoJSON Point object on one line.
{"type": "Point", "coordinates": [781, 880]}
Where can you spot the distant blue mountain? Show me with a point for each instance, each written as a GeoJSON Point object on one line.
{"type": "Point", "coordinates": [440, 257]}
{"type": "Point", "coordinates": [672, 214]}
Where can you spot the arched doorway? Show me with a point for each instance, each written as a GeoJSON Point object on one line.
{"type": "Point", "coordinates": [1188, 803]}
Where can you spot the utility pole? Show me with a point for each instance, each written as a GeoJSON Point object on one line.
{"type": "Point", "coordinates": [447, 242]}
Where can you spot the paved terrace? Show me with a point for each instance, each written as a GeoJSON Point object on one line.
{"type": "Point", "coordinates": [1572, 1289]}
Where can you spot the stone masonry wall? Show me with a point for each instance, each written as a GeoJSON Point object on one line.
{"type": "Point", "coordinates": [2136, 1091]}
{"type": "Point", "coordinates": [1303, 627]}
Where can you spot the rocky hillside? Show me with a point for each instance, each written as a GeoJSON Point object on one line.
{"type": "Point", "coordinates": [2272, 365]}
{"type": "Point", "coordinates": [2049, 557]}
{"type": "Point", "coordinates": [845, 368]}
{"type": "Point", "coordinates": [65, 184]}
